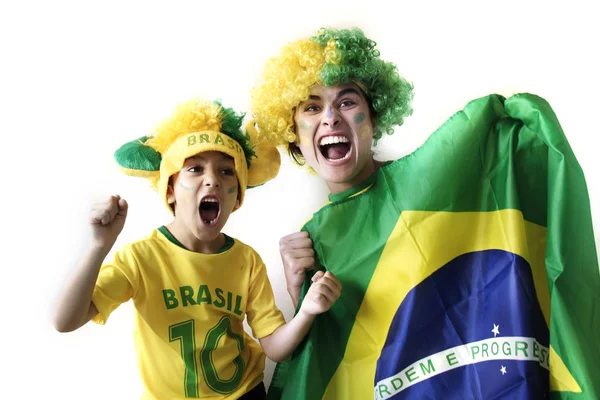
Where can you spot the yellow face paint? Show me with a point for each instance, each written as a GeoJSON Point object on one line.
{"type": "Point", "coordinates": [303, 140]}
{"type": "Point", "coordinates": [365, 132]}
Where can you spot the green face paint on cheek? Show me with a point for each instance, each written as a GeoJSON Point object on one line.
{"type": "Point", "coordinates": [184, 187]}
{"type": "Point", "coordinates": [359, 118]}
{"type": "Point", "coordinates": [305, 133]}
{"type": "Point", "coordinates": [304, 125]}
{"type": "Point", "coordinates": [232, 190]}
{"type": "Point", "coordinates": [185, 197]}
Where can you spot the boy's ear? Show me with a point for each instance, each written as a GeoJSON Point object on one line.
{"type": "Point", "coordinates": [170, 193]}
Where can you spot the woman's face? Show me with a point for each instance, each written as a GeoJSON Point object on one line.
{"type": "Point", "coordinates": [335, 134]}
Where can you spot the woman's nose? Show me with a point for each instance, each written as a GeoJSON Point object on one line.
{"type": "Point", "coordinates": [331, 117]}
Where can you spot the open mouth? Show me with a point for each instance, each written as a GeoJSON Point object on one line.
{"type": "Point", "coordinates": [209, 210]}
{"type": "Point", "coordinates": [335, 148]}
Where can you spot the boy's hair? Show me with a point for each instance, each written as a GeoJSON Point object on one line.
{"type": "Point", "coordinates": [332, 57]}
{"type": "Point", "coordinates": [194, 127]}
{"type": "Point", "coordinates": [201, 115]}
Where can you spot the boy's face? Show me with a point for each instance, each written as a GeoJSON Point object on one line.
{"type": "Point", "coordinates": [204, 193]}
{"type": "Point", "coordinates": [335, 134]}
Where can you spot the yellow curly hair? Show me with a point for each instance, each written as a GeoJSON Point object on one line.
{"type": "Point", "coordinates": [288, 80]}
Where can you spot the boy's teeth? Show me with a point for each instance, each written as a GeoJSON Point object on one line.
{"type": "Point", "coordinates": [332, 140]}
{"type": "Point", "coordinates": [209, 200]}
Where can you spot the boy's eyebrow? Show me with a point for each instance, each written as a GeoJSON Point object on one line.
{"type": "Point", "coordinates": [224, 159]}
{"type": "Point", "coordinates": [195, 158]}
{"type": "Point", "coordinates": [199, 157]}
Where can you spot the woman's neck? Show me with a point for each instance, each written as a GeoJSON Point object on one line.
{"type": "Point", "coordinates": [369, 169]}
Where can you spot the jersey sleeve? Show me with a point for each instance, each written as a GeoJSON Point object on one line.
{"type": "Point", "coordinates": [116, 284]}
{"type": "Point", "coordinates": [263, 315]}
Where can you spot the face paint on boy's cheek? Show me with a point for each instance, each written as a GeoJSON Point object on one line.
{"type": "Point", "coordinates": [186, 195]}
{"type": "Point", "coordinates": [232, 190]}
{"type": "Point", "coordinates": [184, 187]}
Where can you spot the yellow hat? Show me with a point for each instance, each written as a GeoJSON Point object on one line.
{"type": "Point", "coordinates": [195, 127]}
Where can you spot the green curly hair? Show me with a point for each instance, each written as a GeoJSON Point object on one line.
{"type": "Point", "coordinates": [332, 57]}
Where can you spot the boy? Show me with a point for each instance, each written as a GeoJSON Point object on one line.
{"type": "Point", "coordinates": [192, 286]}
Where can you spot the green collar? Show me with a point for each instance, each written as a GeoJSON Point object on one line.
{"type": "Point", "coordinates": [228, 240]}
{"type": "Point", "coordinates": [353, 190]}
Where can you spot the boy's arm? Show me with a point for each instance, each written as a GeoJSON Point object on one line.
{"type": "Point", "coordinates": [321, 295]}
{"type": "Point", "coordinates": [75, 308]}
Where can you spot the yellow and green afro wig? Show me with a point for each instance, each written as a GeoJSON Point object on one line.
{"type": "Point", "coordinates": [194, 127]}
{"type": "Point", "coordinates": [332, 57]}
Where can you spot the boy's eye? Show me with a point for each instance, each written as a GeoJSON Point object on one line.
{"type": "Point", "coordinates": [195, 168]}
{"type": "Point", "coordinates": [347, 103]}
{"type": "Point", "coordinates": [228, 172]}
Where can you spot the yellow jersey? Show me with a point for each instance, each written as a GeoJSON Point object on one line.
{"type": "Point", "coordinates": [189, 313]}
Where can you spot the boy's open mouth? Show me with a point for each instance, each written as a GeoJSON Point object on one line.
{"type": "Point", "coordinates": [209, 210]}
{"type": "Point", "coordinates": [335, 148]}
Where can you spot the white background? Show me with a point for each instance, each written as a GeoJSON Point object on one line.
{"type": "Point", "coordinates": [79, 79]}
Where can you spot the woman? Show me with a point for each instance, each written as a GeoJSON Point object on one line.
{"type": "Point", "coordinates": [443, 255]}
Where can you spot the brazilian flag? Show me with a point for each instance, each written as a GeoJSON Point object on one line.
{"type": "Point", "coordinates": [469, 270]}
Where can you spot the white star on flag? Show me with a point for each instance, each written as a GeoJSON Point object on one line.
{"type": "Point", "coordinates": [495, 330]}
{"type": "Point", "coordinates": [503, 370]}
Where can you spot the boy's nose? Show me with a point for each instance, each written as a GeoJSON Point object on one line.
{"type": "Point", "coordinates": [211, 179]}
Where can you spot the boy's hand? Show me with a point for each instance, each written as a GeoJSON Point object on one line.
{"type": "Point", "coordinates": [107, 219]}
{"type": "Point", "coordinates": [321, 295]}
{"type": "Point", "coordinates": [298, 256]}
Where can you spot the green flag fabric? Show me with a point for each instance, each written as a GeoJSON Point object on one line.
{"type": "Point", "coordinates": [469, 270]}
